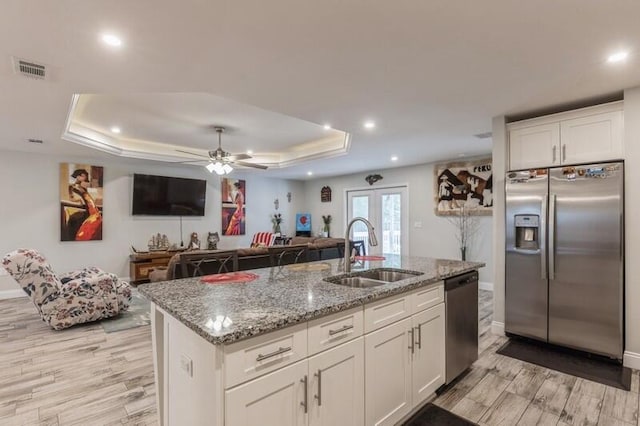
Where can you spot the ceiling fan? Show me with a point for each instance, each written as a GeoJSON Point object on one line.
{"type": "Point", "coordinates": [220, 161]}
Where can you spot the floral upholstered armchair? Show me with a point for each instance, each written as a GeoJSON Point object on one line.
{"type": "Point", "coordinates": [80, 296]}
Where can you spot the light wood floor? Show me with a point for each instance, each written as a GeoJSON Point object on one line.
{"type": "Point", "coordinates": [79, 376]}
{"type": "Point", "coordinates": [85, 376]}
{"type": "Point", "coordinates": [504, 391]}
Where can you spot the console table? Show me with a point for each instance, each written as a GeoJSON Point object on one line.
{"type": "Point", "coordinates": [140, 264]}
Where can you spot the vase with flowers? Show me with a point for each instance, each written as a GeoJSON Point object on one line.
{"type": "Point", "coordinates": [276, 219]}
{"type": "Point", "coordinates": [327, 222]}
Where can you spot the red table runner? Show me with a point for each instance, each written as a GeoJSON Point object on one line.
{"type": "Point", "coordinates": [231, 277]}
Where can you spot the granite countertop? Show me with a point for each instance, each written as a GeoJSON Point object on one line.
{"type": "Point", "coordinates": [280, 297]}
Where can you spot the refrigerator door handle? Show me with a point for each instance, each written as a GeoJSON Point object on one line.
{"type": "Point", "coordinates": [552, 237]}
{"type": "Point", "coordinates": [543, 237]}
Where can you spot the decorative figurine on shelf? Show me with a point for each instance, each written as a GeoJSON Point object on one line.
{"type": "Point", "coordinates": [371, 179]}
{"type": "Point", "coordinates": [158, 242]}
{"type": "Point", "coordinates": [327, 225]}
{"type": "Point", "coordinates": [212, 241]}
{"type": "Point", "coordinates": [194, 244]}
{"type": "Point", "coordinates": [277, 220]}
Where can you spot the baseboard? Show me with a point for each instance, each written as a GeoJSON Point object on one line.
{"type": "Point", "coordinates": [631, 360]}
{"type": "Point", "coordinates": [12, 294]}
{"type": "Point", "coordinates": [497, 328]}
{"type": "Point", "coordinates": [483, 285]}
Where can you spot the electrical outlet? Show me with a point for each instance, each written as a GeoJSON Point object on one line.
{"type": "Point", "coordinates": [186, 364]}
{"type": "Point", "coordinates": [417, 224]}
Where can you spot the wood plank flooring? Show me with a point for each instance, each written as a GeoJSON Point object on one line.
{"type": "Point", "coordinates": [504, 391]}
{"type": "Point", "coordinates": [84, 376]}
{"type": "Point", "coordinates": [79, 376]}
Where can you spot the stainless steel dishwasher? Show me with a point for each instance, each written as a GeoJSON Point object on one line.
{"type": "Point", "coordinates": [461, 297]}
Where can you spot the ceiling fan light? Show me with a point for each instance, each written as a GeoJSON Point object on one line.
{"type": "Point", "coordinates": [227, 168]}
{"type": "Point", "coordinates": [217, 167]}
{"type": "Point", "coordinates": [210, 167]}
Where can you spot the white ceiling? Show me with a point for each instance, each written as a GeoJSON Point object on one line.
{"type": "Point", "coordinates": [162, 125]}
{"type": "Point", "coordinates": [430, 73]}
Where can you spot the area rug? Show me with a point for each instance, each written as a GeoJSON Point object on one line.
{"type": "Point", "coordinates": [137, 315]}
{"type": "Point", "coordinates": [568, 361]}
{"type": "Point", "coordinates": [433, 415]}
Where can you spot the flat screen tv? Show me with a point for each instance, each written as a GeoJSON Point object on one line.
{"type": "Point", "coordinates": [168, 196]}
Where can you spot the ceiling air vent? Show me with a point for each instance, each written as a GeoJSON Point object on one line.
{"type": "Point", "coordinates": [485, 135]}
{"type": "Point", "coordinates": [40, 141]}
{"type": "Point", "coordinates": [30, 69]}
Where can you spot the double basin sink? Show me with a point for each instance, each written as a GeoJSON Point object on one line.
{"type": "Point", "coordinates": [372, 277]}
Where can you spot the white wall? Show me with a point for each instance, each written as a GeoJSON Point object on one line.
{"type": "Point", "coordinates": [30, 210]}
{"type": "Point", "coordinates": [436, 238]}
{"type": "Point", "coordinates": [632, 227]}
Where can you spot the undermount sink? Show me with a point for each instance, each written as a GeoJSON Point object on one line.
{"type": "Point", "coordinates": [372, 278]}
{"type": "Point", "coordinates": [388, 275]}
{"type": "Point", "coordinates": [356, 282]}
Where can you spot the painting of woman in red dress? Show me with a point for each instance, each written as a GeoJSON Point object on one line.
{"type": "Point", "coordinates": [233, 206]}
{"type": "Point", "coordinates": [81, 202]}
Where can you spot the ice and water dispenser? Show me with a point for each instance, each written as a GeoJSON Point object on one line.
{"type": "Point", "coordinates": [527, 231]}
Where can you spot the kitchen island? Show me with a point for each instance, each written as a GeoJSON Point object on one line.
{"type": "Point", "coordinates": [289, 347]}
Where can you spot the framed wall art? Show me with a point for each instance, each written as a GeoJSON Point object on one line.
{"type": "Point", "coordinates": [466, 183]}
{"type": "Point", "coordinates": [81, 202]}
{"type": "Point", "coordinates": [233, 192]}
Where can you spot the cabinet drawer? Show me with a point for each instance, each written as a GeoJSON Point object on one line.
{"type": "Point", "coordinates": [424, 298]}
{"type": "Point", "coordinates": [254, 357]}
{"type": "Point", "coordinates": [330, 331]}
{"type": "Point", "coordinates": [386, 311]}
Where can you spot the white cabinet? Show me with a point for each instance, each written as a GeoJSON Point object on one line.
{"type": "Point", "coordinates": [276, 399]}
{"type": "Point", "coordinates": [405, 364]}
{"type": "Point", "coordinates": [388, 373]}
{"type": "Point", "coordinates": [588, 135]}
{"type": "Point", "coordinates": [428, 355]}
{"type": "Point", "coordinates": [536, 146]}
{"type": "Point", "coordinates": [593, 138]}
{"type": "Point", "coordinates": [336, 386]}
{"type": "Point", "coordinates": [326, 389]}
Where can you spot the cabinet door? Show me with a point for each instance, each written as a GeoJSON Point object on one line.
{"type": "Point", "coordinates": [276, 399]}
{"type": "Point", "coordinates": [429, 353]}
{"type": "Point", "coordinates": [535, 146]}
{"type": "Point", "coordinates": [388, 374]}
{"type": "Point", "coordinates": [593, 138]}
{"type": "Point", "coordinates": [336, 386]}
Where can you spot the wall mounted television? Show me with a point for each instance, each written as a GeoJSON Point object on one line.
{"type": "Point", "coordinates": [168, 196]}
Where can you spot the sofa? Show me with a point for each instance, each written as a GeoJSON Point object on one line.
{"type": "Point", "coordinates": [317, 248]}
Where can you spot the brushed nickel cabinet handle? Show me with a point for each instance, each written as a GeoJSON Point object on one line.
{"type": "Point", "coordinates": [411, 339]}
{"type": "Point", "coordinates": [553, 150]}
{"type": "Point", "coordinates": [319, 395]}
{"type": "Point", "coordinates": [340, 330]}
{"type": "Point", "coordinates": [279, 351]}
{"type": "Point", "coordinates": [305, 403]}
{"type": "Point", "coordinates": [419, 341]}
{"type": "Point", "coordinates": [564, 152]}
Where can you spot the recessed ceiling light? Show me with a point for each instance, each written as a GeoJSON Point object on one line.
{"type": "Point", "coordinates": [249, 152]}
{"type": "Point", "coordinates": [369, 124]}
{"type": "Point", "coordinates": [618, 57]}
{"type": "Point", "coordinates": [327, 126]}
{"type": "Point", "coordinates": [309, 173]}
{"type": "Point", "coordinates": [394, 158]}
{"type": "Point", "coordinates": [111, 40]}
{"type": "Point", "coordinates": [115, 129]}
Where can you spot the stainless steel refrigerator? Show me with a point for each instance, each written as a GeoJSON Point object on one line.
{"type": "Point", "coordinates": [565, 256]}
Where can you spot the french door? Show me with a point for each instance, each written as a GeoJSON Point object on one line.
{"type": "Point", "coordinates": [387, 210]}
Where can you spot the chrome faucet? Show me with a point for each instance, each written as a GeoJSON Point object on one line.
{"type": "Point", "coordinates": [373, 241]}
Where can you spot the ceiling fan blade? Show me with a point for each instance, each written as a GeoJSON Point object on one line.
{"type": "Point", "coordinates": [193, 153]}
{"type": "Point", "coordinates": [236, 157]}
{"type": "Point", "coordinates": [253, 165]}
